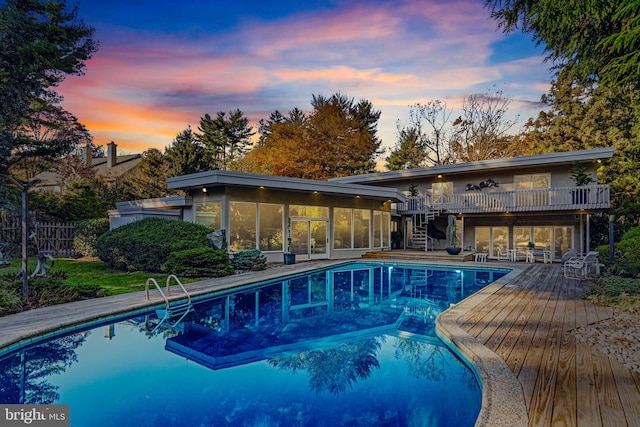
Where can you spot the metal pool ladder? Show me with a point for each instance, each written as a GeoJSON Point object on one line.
{"type": "Point", "coordinates": [174, 313]}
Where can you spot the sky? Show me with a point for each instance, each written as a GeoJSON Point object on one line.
{"type": "Point", "coordinates": [162, 64]}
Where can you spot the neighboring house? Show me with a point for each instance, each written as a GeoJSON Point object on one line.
{"type": "Point", "coordinates": [323, 219]}
{"type": "Point", "coordinates": [108, 168]}
{"type": "Point", "coordinates": [500, 204]}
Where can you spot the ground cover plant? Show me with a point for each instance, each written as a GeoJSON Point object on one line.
{"type": "Point", "coordinates": [619, 286]}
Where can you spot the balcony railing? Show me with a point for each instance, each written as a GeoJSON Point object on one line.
{"type": "Point", "coordinates": [591, 197]}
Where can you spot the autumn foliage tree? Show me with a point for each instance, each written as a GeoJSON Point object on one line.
{"type": "Point", "coordinates": [337, 138]}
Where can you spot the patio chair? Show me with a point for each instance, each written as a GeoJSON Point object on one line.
{"type": "Point", "coordinates": [579, 267]}
{"type": "Point", "coordinates": [541, 253]}
{"type": "Point", "coordinates": [501, 256]}
{"type": "Point", "coordinates": [571, 253]}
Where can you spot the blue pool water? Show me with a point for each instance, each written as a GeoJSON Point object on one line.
{"type": "Point", "coordinates": [352, 345]}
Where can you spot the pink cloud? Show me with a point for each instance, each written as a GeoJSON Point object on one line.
{"type": "Point", "coordinates": [151, 86]}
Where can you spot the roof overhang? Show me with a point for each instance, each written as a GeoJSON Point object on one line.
{"type": "Point", "coordinates": [169, 202]}
{"type": "Point", "coordinates": [219, 178]}
{"type": "Point", "coordinates": [561, 158]}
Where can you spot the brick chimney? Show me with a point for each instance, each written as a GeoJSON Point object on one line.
{"type": "Point", "coordinates": [111, 154]}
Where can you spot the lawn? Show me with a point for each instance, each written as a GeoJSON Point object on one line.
{"type": "Point", "coordinates": [94, 271]}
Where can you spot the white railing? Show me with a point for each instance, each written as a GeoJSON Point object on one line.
{"type": "Point", "coordinates": [548, 199]}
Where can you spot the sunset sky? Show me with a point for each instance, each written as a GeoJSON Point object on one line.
{"type": "Point", "coordinates": [163, 64]}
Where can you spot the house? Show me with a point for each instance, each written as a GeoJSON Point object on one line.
{"type": "Point", "coordinates": [108, 168]}
{"type": "Point", "coordinates": [313, 219]}
{"type": "Point", "coordinates": [499, 205]}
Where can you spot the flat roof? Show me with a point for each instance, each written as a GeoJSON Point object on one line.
{"type": "Point", "coordinates": [220, 178]}
{"type": "Point", "coordinates": [566, 157]}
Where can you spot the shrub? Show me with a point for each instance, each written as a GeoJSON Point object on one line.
{"type": "Point", "coordinates": [252, 260]}
{"type": "Point", "coordinates": [10, 302]}
{"type": "Point", "coordinates": [198, 262]}
{"type": "Point", "coordinates": [626, 261]}
{"type": "Point", "coordinates": [633, 233]}
{"type": "Point", "coordinates": [86, 235]}
{"type": "Point", "coordinates": [43, 291]}
{"type": "Point", "coordinates": [146, 244]}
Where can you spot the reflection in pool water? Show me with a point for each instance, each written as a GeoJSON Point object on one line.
{"type": "Point", "coordinates": [352, 345]}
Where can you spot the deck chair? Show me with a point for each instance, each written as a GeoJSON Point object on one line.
{"type": "Point", "coordinates": [571, 253]}
{"type": "Point", "coordinates": [541, 253]}
{"type": "Point", "coordinates": [579, 267]}
{"type": "Point", "coordinates": [501, 256]}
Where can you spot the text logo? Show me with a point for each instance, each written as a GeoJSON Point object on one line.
{"type": "Point", "coordinates": [34, 415]}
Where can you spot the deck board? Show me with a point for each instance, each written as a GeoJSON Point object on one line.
{"type": "Point", "coordinates": [565, 382]}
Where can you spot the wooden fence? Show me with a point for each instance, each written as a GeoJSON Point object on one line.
{"type": "Point", "coordinates": [44, 237]}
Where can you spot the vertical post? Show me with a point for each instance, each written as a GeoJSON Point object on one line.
{"type": "Point", "coordinates": [24, 187]}
{"type": "Point", "coordinates": [611, 223]}
{"type": "Point", "coordinates": [25, 241]}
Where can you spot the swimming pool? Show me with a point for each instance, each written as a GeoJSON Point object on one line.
{"type": "Point", "coordinates": [349, 345]}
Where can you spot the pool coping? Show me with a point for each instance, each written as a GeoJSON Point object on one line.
{"type": "Point", "coordinates": [503, 402]}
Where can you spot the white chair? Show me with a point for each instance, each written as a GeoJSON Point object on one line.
{"type": "Point", "coordinates": [579, 267]}
{"type": "Point", "coordinates": [480, 257]}
{"type": "Point", "coordinates": [541, 253]}
{"type": "Point", "coordinates": [501, 256]}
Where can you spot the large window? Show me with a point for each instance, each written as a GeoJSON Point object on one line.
{"type": "Point", "coordinates": [492, 241]}
{"type": "Point", "coordinates": [242, 226]}
{"type": "Point", "coordinates": [531, 190]}
{"type": "Point", "coordinates": [381, 224]}
{"type": "Point", "coordinates": [271, 226]}
{"type": "Point", "coordinates": [440, 191]}
{"type": "Point", "coordinates": [209, 214]}
{"type": "Point", "coordinates": [251, 223]}
{"type": "Point", "coordinates": [361, 228]}
{"type": "Point", "coordinates": [342, 237]}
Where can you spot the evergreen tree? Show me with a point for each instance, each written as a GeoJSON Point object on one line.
{"type": "Point", "coordinates": [42, 43]}
{"type": "Point", "coordinates": [226, 138]}
{"type": "Point", "coordinates": [408, 152]}
{"type": "Point", "coordinates": [148, 180]}
{"type": "Point", "coordinates": [187, 154]}
{"type": "Point", "coordinates": [597, 41]}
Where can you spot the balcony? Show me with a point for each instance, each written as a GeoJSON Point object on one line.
{"type": "Point", "coordinates": [591, 197]}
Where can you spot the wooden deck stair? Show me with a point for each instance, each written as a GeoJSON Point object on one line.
{"type": "Point", "coordinates": [419, 255]}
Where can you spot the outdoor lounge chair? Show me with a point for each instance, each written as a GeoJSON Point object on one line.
{"type": "Point", "coordinates": [579, 267]}
{"type": "Point", "coordinates": [501, 256]}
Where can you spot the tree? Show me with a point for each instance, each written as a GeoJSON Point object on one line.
{"type": "Point", "coordinates": [148, 180]}
{"type": "Point", "coordinates": [42, 43]}
{"type": "Point", "coordinates": [596, 117]}
{"type": "Point", "coordinates": [436, 138]}
{"type": "Point", "coordinates": [337, 138]}
{"type": "Point", "coordinates": [49, 133]}
{"type": "Point", "coordinates": [226, 138]}
{"type": "Point", "coordinates": [481, 130]}
{"type": "Point", "coordinates": [596, 41]}
{"type": "Point", "coordinates": [281, 150]}
{"type": "Point", "coordinates": [187, 154]}
{"type": "Point", "coordinates": [408, 152]}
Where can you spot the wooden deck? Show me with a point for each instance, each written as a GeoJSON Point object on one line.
{"type": "Point", "coordinates": [564, 381]}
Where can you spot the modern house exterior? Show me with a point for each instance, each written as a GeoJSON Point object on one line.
{"type": "Point", "coordinates": [499, 205]}
{"type": "Point", "coordinates": [277, 215]}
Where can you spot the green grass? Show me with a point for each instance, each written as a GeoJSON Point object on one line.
{"type": "Point", "coordinates": [82, 271]}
